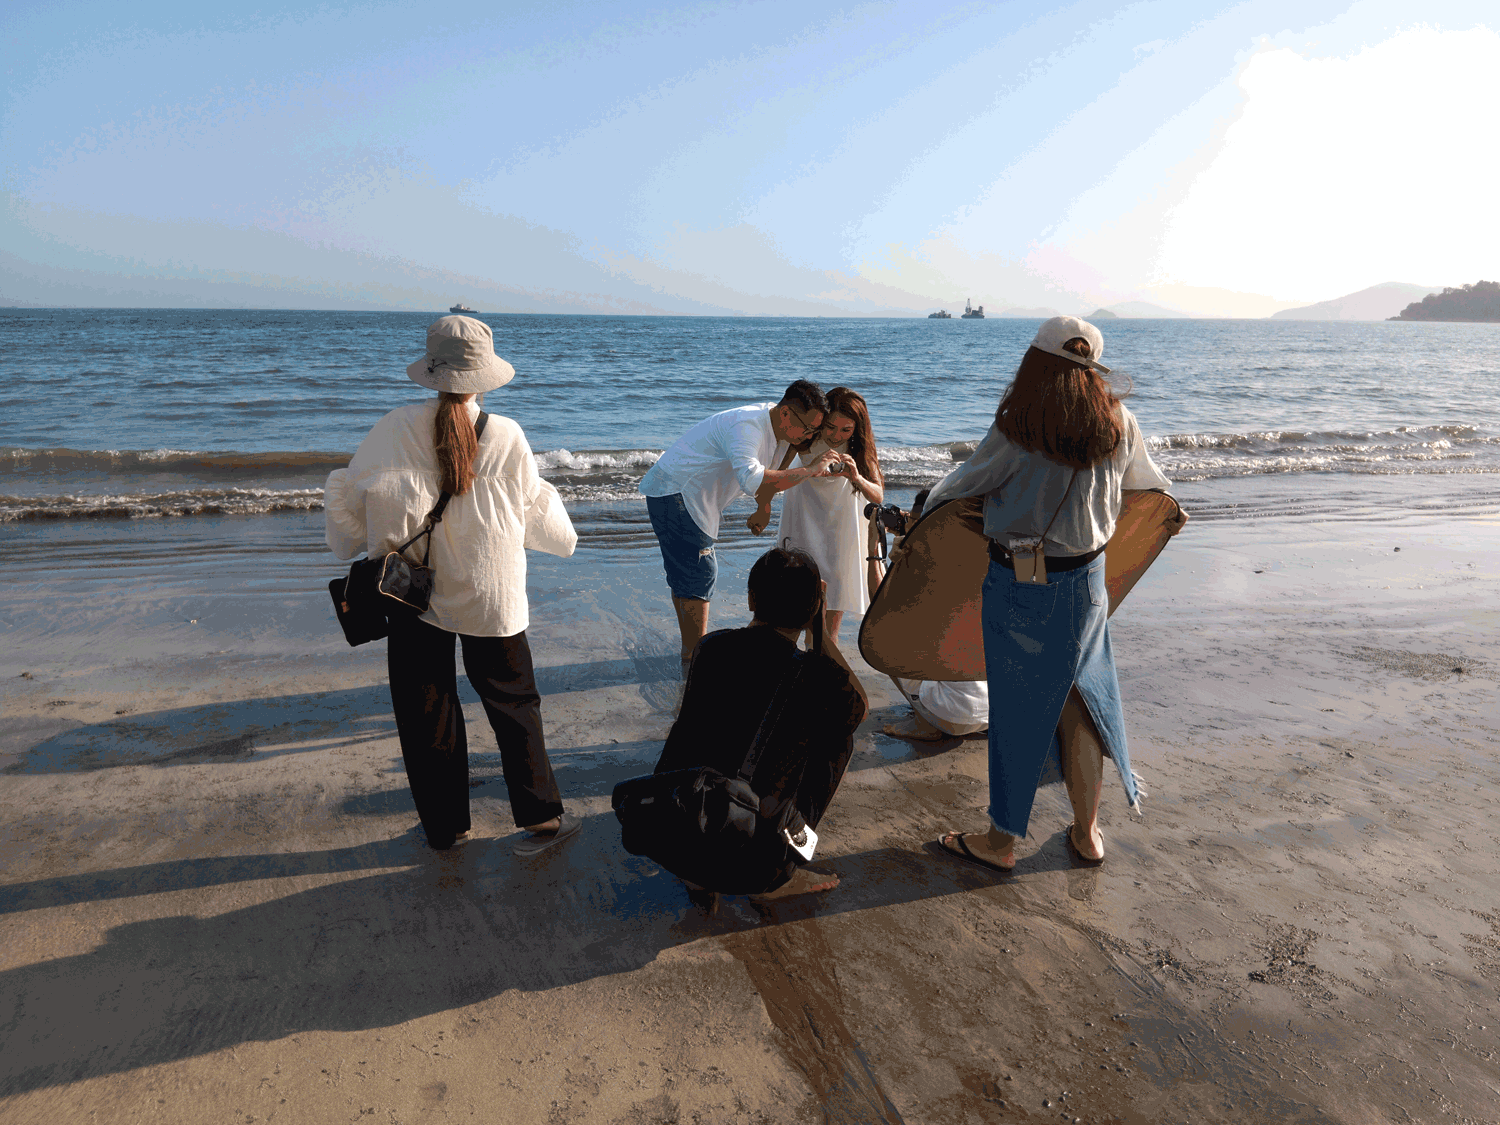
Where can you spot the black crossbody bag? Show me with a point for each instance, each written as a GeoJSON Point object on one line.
{"type": "Point", "coordinates": [377, 589]}
{"type": "Point", "coordinates": [709, 828]}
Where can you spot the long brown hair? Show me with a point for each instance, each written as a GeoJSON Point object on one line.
{"type": "Point", "coordinates": [456, 443]}
{"type": "Point", "coordinates": [851, 404]}
{"type": "Point", "coordinates": [1061, 409]}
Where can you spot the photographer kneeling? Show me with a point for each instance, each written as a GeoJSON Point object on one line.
{"type": "Point", "coordinates": [750, 689]}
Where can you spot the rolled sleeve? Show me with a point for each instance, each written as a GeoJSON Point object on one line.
{"type": "Point", "coordinates": [744, 456]}
{"type": "Point", "coordinates": [343, 516]}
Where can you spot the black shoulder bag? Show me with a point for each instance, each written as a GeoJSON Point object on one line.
{"type": "Point", "coordinates": [708, 828]}
{"type": "Point", "coordinates": [377, 588]}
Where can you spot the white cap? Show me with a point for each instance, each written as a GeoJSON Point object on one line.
{"type": "Point", "coordinates": [1054, 333]}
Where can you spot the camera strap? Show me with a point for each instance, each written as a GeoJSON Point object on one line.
{"type": "Point", "coordinates": [772, 714]}
{"type": "Point", "coordinates": [1028, 554]}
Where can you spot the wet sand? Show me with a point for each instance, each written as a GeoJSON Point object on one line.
{"type": "Point", "coordinates": [214, 906]}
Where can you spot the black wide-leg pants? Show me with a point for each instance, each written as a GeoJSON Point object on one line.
{"type": "Point", "coordinates": [430, 722]}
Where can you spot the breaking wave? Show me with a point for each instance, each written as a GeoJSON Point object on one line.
{"type": "Point", "coordinates": [61, 484]}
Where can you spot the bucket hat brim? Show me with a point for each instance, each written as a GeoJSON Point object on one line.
{"type": "Point", "coordinates": [439, 376]}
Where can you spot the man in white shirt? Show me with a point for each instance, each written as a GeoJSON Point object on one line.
{"type": "Point", "coordinates": [727, 455]}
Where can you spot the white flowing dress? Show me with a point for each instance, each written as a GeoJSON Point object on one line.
{"type": "Point", "coordinates": [824, 516]}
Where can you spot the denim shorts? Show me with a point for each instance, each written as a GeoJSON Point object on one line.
{"type": "Point", "coordinates": [687, 551]}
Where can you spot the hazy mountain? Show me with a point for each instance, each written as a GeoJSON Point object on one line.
{"type": "Point", "coordinates": [1144, 310]}
{"type": "Point", "coordinates": [1379, 302]}
{"type": "Point", "coordinates": [1102, 314]}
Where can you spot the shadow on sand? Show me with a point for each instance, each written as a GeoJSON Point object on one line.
{"type": "Point", "coordinates": [237, 729]}
{"type": "Point", "coordinates": [421, 933]}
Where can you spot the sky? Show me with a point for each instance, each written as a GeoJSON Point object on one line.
{"type": "Point", "coordinates": [774, 158]}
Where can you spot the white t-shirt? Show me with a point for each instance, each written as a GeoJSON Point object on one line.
{"type": "Point", "coordinates": [722, 457]}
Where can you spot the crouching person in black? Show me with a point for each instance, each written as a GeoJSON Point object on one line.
{"type": "Point", "coordinates": [750, 689]}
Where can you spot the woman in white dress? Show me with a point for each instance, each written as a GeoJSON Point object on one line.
{"type": "Point", "coordinates": [825, 515]}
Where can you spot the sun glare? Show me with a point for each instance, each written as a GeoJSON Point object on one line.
{"type": "Point", "coordinates": [1341, 172]}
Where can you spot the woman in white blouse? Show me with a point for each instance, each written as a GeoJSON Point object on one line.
{"type": "Point", "coordinates": [1052, 467]}
{"type": "Point", "coordinates": [500, 506]}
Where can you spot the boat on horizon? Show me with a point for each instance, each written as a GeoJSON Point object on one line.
{"type": "Point", "coordinates": [941, 314]}
{"type": "Point", "coordinates": [971, 313]}
{"type": "Point", "coordinates": [461, 308]}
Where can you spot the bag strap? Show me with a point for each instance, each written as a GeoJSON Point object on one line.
{"type": "Point", "coordinates": [1060, 504]}
{"type": "Point", "coordinates": [773, 713]}
{"type": "Point", "coordinates": [435, 516]}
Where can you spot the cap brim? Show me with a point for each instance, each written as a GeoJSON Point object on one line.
{"type": "Point", "coordinates": [470, 381]}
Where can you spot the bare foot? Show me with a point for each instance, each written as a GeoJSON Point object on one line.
{"type": "Point", "coordinates": [803, 882]}
{"type": "Point", "coordinates": [1093, 838]}
{"type": "Point", "coordinates": [994, 846]}
{"type": "Point", "coordinates": [915, 729]}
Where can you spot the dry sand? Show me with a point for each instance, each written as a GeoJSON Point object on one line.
{"type": "Point", "coordinates": [214, 907]}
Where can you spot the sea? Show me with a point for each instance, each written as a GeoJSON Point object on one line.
{"type": "Point", "coordinates": [125, 414]}
{"type": "Point", "coordinates": [151, 457]}
{"type": "Point", "coordinates": [161, 476]}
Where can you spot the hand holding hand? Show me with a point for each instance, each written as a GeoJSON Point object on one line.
{"type": "Point", "coordinates": [823, 465]}
{"type": "Point", "coordinates": [759, 521]}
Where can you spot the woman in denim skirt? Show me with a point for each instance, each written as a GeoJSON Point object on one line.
{"type": "Point", "coordinates": [1051, 469]}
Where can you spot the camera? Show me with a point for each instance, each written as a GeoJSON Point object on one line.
{"type": "Point", "coordinates": [836, 467]}
{"type": "Point", "coordinates": [888, 516]}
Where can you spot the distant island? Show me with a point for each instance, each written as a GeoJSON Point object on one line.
{"type": "Point", "coordinates": [1137, 310]}
{"type": "Point", "coordinates": [1479, 302]}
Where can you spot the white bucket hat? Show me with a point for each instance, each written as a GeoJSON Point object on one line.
{"type": "Point", "coordinates": [1054, 333]}
{"type": "Point", "coordinates": [460, 358]}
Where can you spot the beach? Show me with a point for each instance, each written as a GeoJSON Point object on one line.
{"type": "Point", "coordinates": [215, 905]}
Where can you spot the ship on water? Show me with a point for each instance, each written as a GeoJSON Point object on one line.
{"type": "Point", "coordinates": [461, 308]}
{"type": "Point", "coordinates": [972, 313]}
{"type": "Point", "coordinates": [941, 314]}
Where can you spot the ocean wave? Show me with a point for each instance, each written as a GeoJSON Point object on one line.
{"type": "Point", "coordinates": [554, 463]}
{"type": "Point", "coordinates": [16, 459]}
{"type": "Point", "coordinates": [1349, 439]}
{"type": "Point", "coordinates": [59, 484]}
{"type": "Point", "coordinates": [194, 502]}
{"type": "Point", "coordinates": [944, 452]}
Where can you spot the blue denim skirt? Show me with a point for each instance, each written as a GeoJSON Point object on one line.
{"type": "Point", "coordinates": [1040, 640]}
